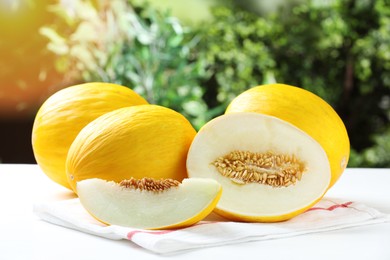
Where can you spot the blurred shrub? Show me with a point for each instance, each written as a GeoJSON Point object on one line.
{"type": "Point", "coordinates": [338, 49]}
{"type": "Point", "coordinates": [143, 49]}
{"type": "Point", "coordinates": [341, 52]}
{"type": "Point", "coordinates": [158, 63]}
{"type": "Point", "coordinates": [235, 48]}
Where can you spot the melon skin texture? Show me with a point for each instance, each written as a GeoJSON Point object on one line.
{"type": "Point", "coordinates": [139, 141]}
{"type": "Point", "coordinates": [304, 110]}
{"type": "Point", "coordinates": [257, 133]}
{"type": "Point", "coordinates": [62, 116]}
{"type": "Point", "coordinates": [176, 207]}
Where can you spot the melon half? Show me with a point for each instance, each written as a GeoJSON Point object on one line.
{"type": "Point", "coordinates": [269, 169]}
{"type": "Point", "coordinates": [148, 203]}
{"type": "Point", "coordinates": [305, 110]}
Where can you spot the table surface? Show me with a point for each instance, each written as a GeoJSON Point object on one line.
{"type": "Point", "coordinates": [24, 236]}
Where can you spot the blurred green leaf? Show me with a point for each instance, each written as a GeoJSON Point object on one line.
{"type": "Point", "coordinates": [85, 32]}
{"type": "Point", "coordinates": [338, 50]}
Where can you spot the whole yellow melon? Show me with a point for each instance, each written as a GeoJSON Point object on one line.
{"type": "Point", "coordinates": [65, 113]}
{"type": "Point", "coordinates": [133, 142]}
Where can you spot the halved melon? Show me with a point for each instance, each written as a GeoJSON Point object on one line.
{"type": "Point", "coordinates": [269, 169]}
{"type": "Point", "coordinates": [148, 203]}
{"type": "Point", "coordinates": [305, 110]}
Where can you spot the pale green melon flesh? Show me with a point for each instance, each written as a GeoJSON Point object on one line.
{"type": "Point", "coordinates": [114, 204]}
{"type": "Point", "coordinates": [260, 134]}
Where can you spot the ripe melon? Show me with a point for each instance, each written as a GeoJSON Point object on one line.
{"type": "Point", "coordinates": [305, 110]}
{"type": "Point", "coordinates": [276, 151]}
{"type": "Point", "coordinates": [149, 203]}
{"type": "Point", "coordinates": [140, 141]}
{"type": "Point", "coordinates": [65, 113]}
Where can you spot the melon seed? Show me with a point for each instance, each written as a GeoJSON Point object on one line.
{"type": "Point", "coordinates": [276, 170]}
{"type": "Point", "coordinates": [149, 184]}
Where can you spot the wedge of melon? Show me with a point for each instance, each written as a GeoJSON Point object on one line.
{"type": "Point", "coordinates": [148, 203]}
{"type": "Point", "coordinates": [269, 169]}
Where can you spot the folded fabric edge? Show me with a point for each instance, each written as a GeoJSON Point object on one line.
{"type": "Point", "coordinates": [47, 213]}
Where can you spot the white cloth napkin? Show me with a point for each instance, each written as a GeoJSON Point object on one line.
{"type": "Point", "coordinates": [328, 214]}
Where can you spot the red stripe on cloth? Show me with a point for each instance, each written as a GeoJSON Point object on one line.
{"type": "Point", "coordinates": [344, 205]}
{"type": "Point", "coordinates": [157, 232]}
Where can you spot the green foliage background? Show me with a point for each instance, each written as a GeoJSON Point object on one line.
{"type": "Point", "coordinates": [338, 49]}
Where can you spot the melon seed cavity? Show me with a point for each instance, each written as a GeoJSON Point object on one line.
{"type": "Point", "coordinates": [276, 170]}
{"type": "Point", "coordinates": [149, 184]}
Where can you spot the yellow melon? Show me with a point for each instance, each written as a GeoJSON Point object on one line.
{"type": "Point", "coordinates": [65, 113]}
{"type": "Point", "coordinates": [306, 111]}
{"type": "Point", "coordinates": [276, 151]}
{"type": "Point", "coordinates": [140, 141]}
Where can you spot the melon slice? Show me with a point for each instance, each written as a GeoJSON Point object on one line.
{"type": "Point", "coordinates": [148, 203]}
{"type": "Point", "coordinates": [269, 169]}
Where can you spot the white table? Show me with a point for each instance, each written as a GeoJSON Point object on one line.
{"type": "Point", "coordinates": [25, 236]}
